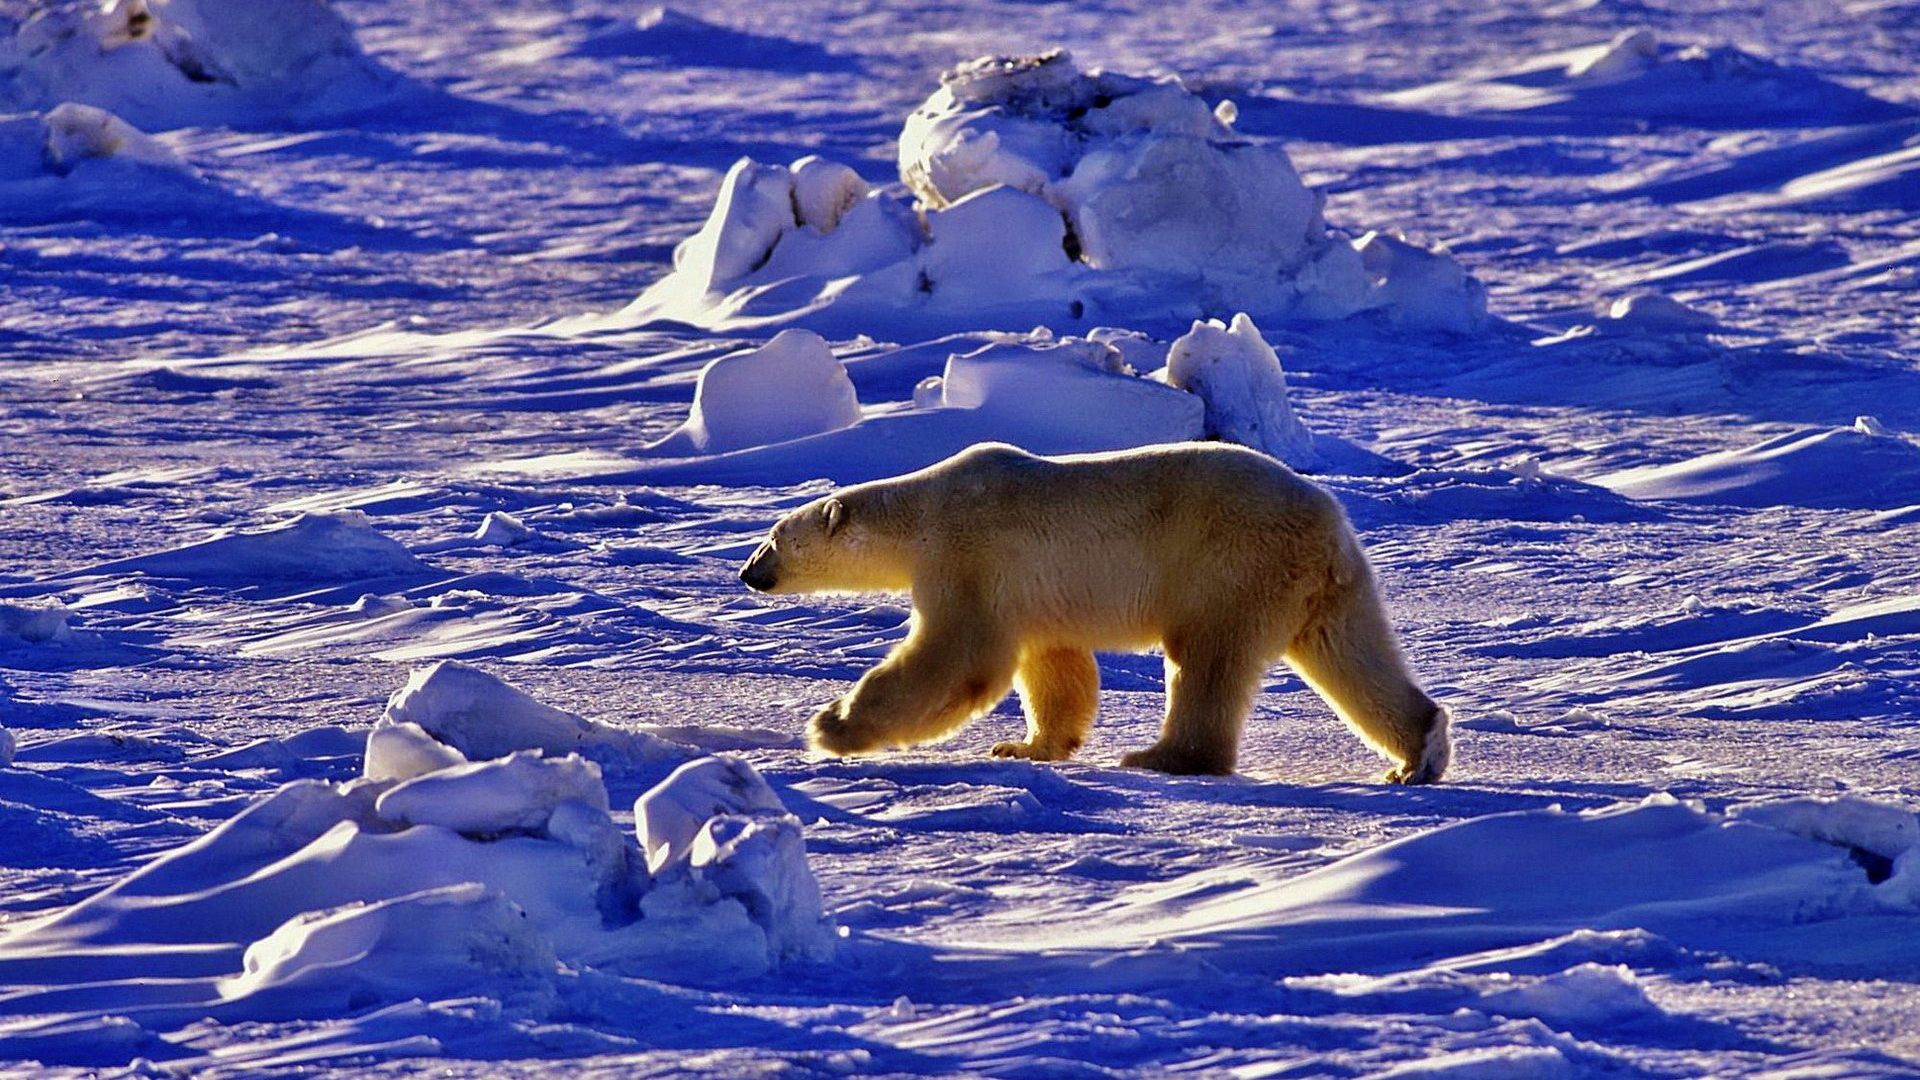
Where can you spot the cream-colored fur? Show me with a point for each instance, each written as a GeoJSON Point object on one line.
{"type": "Point", "coordinates": [1021, 566]}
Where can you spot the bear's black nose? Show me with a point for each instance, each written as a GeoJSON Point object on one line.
{"type": "Point", "coordinates": [758, 573]}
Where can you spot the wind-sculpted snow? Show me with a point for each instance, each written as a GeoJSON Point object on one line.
{"type": "Point", "coordinates": [1637, 77]}
{"type": "Point", "coordinates": [432, 875]}
{"type": "Point", "coordinates": [1863, 466]}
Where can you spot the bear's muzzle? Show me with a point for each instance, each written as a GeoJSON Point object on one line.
{"type": "Point", "coordinates": [758, 574]}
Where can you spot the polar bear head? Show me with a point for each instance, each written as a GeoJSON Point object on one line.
{"type": "Point", "coordinates": [841, 543]}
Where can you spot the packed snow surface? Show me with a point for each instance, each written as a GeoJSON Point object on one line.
{"type": "Point", "coordinates": [351, 355]}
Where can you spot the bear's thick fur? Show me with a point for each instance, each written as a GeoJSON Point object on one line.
{"type": "Point", "coordinates": [1021, 566]}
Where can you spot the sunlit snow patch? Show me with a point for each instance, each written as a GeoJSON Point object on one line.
{"type": "Point", "coordinates": [172, 63]}
{"type": "Point", "coordinates": [1041, 194]}
{"type": "Point", "coordinates": [789, 388]}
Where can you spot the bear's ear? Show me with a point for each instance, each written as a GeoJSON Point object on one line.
{"type": "Point", "coordinates": [836, 514]}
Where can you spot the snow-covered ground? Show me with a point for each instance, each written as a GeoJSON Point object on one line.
{"type": "Point", "coordinates": [377, 692]}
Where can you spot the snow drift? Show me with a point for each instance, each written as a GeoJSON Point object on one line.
{"type": "Point", "coordinates": [1779, 878]}
{"type": "Point", "coordinates": [1637, 77]}
{"type": "Point", "coordinates": [340, 545]}
{"type": "Point", "coordinates": [173, 63]}
{"type": "Point", "coordinates": [1863, 467]}
{"type": "Point", "coordinates": [1041, 194]}
{"type": "Point", "coordinates": [435, 875]}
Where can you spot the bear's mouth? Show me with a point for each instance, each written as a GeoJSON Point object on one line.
{"type": "Point", "coordinates": [758, 574]}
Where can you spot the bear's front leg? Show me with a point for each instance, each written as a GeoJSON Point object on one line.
{"type": "Point", "coordinates": [930, 685]}
{"type": "Point", "coordinates": [830, 730]}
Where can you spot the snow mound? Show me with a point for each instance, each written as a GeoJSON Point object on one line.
{"type": "Point", "coordinates": [789, 388]}
{"type": "Point", "coordinates": [1068, 393]}
{"type": "Point", "coordinates": [339, 546]}
{"type": "Point", "coordinates": [517, 793]}
{"type": "Point", "coordinates": [501, 529]}
{"type": "Point", "coordinates": [715, 827]}
{"type": "Point", "coordinates": [1144, 174]}
{"type": "Point", "coordinates": [1636, 77]}
{"type": "Point", "coordinates": [1653, 313]}
{"type": "Point", "coordinates": [1237, 375]}
{"type": "Point", "coordinates": [433, 943]}
{"type": "Point", "coordinates": [33, 624]}
{"type": "Point", "coordinates": [668, 36]}
{"type": "Point", "coordinates": [467, 878]}
{"type": "Point", "coordinates": [175, 63]}
{"type": "Point", "coordinates": [669, 818]}
{"type": "Point", "coordinates": [1847, 820]}
{"type": "Point", "coordinates": [1504, 880]}
{"type": "Point", "coordinates": [478, 716]}
{"type": "Point", "coordinates": [1863, 467]}
{"type": "Point", "coordinates": [68, 137]}
{"type": "Point", "coordinates": [1041, 194]}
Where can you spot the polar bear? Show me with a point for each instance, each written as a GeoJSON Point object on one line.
{"type": "Point", "coordinates": [1020, 566]}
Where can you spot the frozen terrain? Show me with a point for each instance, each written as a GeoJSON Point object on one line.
{"type": "Point", "coordinates": [390, 392]}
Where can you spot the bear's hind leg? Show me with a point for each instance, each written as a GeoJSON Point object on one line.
{"type": "Point", "coordinates": [1211, 683]}
{"type": "Point", "coordinates": [1060, 691]}
{"type": "Point", "coordinates": [928, 686]}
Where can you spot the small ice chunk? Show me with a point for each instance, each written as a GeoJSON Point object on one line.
{"type": "Point", "coordinates": [6, 747]}
{"type": "Point", "coordinates": [789, 388]}
{"type": "Point", "coordinates": [753, 211]}
{"type": "Point", "coordinates": [1421, 288]}
{"type": "Point", "coordinates": [502, 529]}
{"type": "Point", "coordinates": [1072, 391]}
{"type": "Point", "coordinates": [402, 751]}
{"type": "Point", "coordinates": [515, 793]}
{"type": "Point", "coordinates": [77, 132]}
{"type": "Point", "coordinates": [485, 717]}
{"type": "Point", "coordinates": [1870, 425]}
{"type": "Point", "coordinates": [991, 237]}
{"type": "Point", "coordinates": [929, 393]}
{"type": "Point", "coordinates": [761, 861]}
{"type": "Point", "coordinates": [670, 817]}
{"type": "Point", "coordinates": [1226, 112]}
{"type": "Point", "coordinates": [1238, 376]}
{"type": "Point", "coordinates": [1653, 313]}
{"type": "Point", "coordinates": [1629, 53]}
{"type": "Point", "coordinates": [823, 191]}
